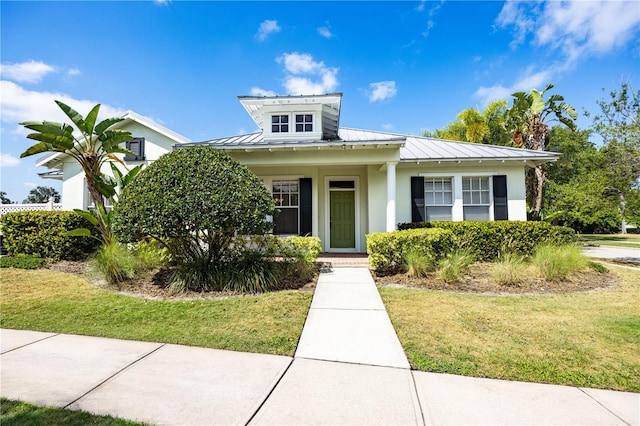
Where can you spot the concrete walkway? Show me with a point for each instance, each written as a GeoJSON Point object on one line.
{"type": "Point", "coordinates": [349, 368]}
{"type": "Point", "coordinates": [621, 254]}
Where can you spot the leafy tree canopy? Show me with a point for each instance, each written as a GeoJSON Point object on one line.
{"type": "Point", "coordinates": [4, 198]}
{"type": "Point", "coordinates": [41, 194]}
{"type": "Point", "coordinates": [193, 199]}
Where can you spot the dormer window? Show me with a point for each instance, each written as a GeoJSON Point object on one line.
{"type": "Point", "coordinates": [304, 122]}
{"type": "Point", "coordinates": [280, 124]}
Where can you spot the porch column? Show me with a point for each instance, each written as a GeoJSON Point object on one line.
{"type": "Point", "coordinates": [391, 196]}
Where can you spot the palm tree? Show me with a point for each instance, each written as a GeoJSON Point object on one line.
{"type": "Point", "coordinates": [527, 121]}
{"type": "Point", "coordinates": [97, 144]}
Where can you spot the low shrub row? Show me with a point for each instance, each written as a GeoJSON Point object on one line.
{"type": "Point", "coordinates": [43, 234]}
{"type": "Point", "coordinates": [487, 240]}
{"type": "Point", "coordinates": [388, 250]}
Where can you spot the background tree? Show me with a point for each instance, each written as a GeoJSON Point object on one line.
{"type": "Point", "coordinates": [4, 198]}
{"type": "Point", "coordinates": [528, 121]}
{"type": "Point", "coordinates": [619, 125]}
{"type": "Point", "coordinates": [473, 125]}
{"type": "Point", "coordinates": [194, 201]}
{"type": "Point", "coordinates": [97, 144]}
{"type": "Point", "coordinates": [41, 194]}
{"type": "Point", "coordinates": [575, 185]}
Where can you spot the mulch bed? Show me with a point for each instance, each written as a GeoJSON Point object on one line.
{"type": "Point", "coordinates": [154, 284]}
{"type": "Point", "coordinates": [478, 279]}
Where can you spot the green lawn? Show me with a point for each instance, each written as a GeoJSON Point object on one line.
{"type": "Point", "coordinates": [616, 240]}
{"type": "Point", "coordinates": [584, 339]}
{"type": "Point", "coordinates": [21, 414]}
{"type": "Point", "coordinates": [45, 300]}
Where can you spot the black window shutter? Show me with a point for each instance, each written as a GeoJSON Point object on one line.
{"type": "Point", "coordinates": [136, 145]}
{"type": "Point", "coordinates": [500, 206]}
{"type": "Point", "coordinates": [417, 199]}
{"type": "Point", "coordinates": [305, 207]}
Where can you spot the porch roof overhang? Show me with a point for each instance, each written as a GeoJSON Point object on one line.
{"type": "Point", "coordinates": [429, 150]}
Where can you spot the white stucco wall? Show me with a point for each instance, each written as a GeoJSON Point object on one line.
{"type": "Point", "coordinates": [515, 184]}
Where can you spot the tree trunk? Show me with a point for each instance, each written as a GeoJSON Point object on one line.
{"type": "Point", "coordinates": [622, 207]}
{"type": "Point", "coordinates": [539, 184]}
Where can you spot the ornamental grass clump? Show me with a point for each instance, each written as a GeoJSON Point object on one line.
{"type": "Point", "coordinates": [115, 262]}
{"type": "Point", "coordinates": [557, 262]}
{"type": "Point", "coordinates": [450, 268]}
{"type": "Point", "coordinates": [510, 269]}
{"type": "Point", "coordinates": [419, 263]}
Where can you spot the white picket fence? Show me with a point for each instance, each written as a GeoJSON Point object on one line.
{"type": "Point", "coordinates": [50, 206]}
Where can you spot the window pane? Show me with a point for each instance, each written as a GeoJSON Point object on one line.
{"type": "Point", "coordinates": [308, 127]}
{"type": "Point", "coordinates": [284, 127]}
{"type": "Point", "coordinates": [448, 198]}
{"type": "Point", "coordinates": [284, 118]}
{"type": "Point", "coordinates": [275, 118]}
{"type": "Point", "coordinates": [299, 127]}
{"type": "Point", "coordinates": [476, 213]}
{"type": "Point", "coordinates": [299, 118]}
{"type": "Point", "coordinates": [286, 221]}
{"type": "Point", "coordinates": [308, 118]}
{"type": "Point", "coordinates": [466, 197]}
{"type": "Point", "coordinates": [475, 198]}
{"type": "Point", "coordinates": [294, 199]}
{"type": "Point", "coordinates": [275, 128]}
{"type": "Point", "coordinates": [438, 213]}
{"type": "Point", "coordinates": [466, 184]}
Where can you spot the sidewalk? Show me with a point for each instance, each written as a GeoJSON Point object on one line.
{"type": "Point", "coordinates": [349, 368]}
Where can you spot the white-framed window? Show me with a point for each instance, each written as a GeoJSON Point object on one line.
{"type": "Point", "coordinates": [280, 123]}
{"type": "Point", "coordinates": [476, 197]}
{"type": "Point", "coordinates": [286, 194]}
{"type": "Point", "coordinates": [438, 198]}
{"type": "Point", "coordinates": [304, 122]}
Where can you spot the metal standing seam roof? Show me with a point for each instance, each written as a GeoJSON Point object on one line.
{"type": "Point", "coordinates": [412, 148]}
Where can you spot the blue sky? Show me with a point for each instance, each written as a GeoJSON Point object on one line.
{"type": "Point", "coordinates": [403, 66]}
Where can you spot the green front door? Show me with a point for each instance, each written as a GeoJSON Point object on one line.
{"type": "Point", "coordinates": [342, 222]}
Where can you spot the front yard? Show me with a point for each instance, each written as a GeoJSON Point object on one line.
{"type": "Point", "coordinates": [587, 339]}
{"type": "Point", "coordinates": [583, 338]}
{"type": "Point", "coordinates": [45, 300]}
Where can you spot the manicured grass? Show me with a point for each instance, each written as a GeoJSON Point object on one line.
{"type": "Point", "coordinates": [45, 300]}
{"type": "Point", "coordinates": [616, 240]}
{"type": "Point", "coordinates": [21, 414]}
{"type": "Point", "coordinates": [584, 339]}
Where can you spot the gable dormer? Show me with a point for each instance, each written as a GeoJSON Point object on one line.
{"type": "Point", "coordinates": [299, 118]}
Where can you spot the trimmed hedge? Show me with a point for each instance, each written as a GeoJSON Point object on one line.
{"type": "Point", "coordinates": [387, 249]}
{"type": "Point", "coordinates": [42, 234]}
{"type": "Point", "coordinates": [22, 262]}
{"type": "Point", "coordinates": [487, 240]}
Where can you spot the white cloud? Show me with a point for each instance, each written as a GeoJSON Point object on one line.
{"type": "Point", "coordinates": [577, 29]}
{"type": "Point", "coordinates": [8, 160]}
{"type": "Point", "coordinates": [19, 104]}
{"type": "Point", "coordinates": [256, 91]}
{"type": "Point", "coordinates": [267, 28]}
{"type": "Point", "coordinates": [388, 127]}
{"type": "Point", "coordinates": [325, 32]}
{"type": "Point", "coordinates": [30, 185]}
{"type": "Point", "coordinates": [527, 81]}
{"type": "Point", "coordinates": [73, 71]}
{"type": "Point", "coordinates": [306, 76]}
{"type": "Point", "coordinates": [162, 2]}
{"type": "Point", "coordinates": [382, 90]}
{"type": "Point", "coordinates": [26, 72]}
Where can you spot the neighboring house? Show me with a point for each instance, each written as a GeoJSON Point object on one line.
{"type": "Point", "coordinates": [340, 183]}
{"type": "Point", "coordinates": [150, 141]}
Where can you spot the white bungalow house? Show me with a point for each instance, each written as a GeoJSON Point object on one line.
{"type": "Point", "coordinates": [341, 183]}
{"type": "Point", "coordinates": [338, 183]}
{"type": "Point", "coordinates": [150, 141]}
